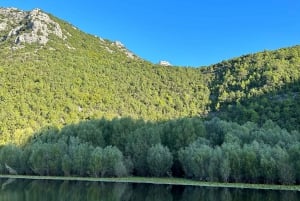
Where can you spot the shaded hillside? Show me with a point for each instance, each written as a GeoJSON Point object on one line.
{"type": "Point", "coordinates": [259, 87]}
{"type": "Point", "coordinates": [281, 106]}
{"type": "Point", "coordinates": [255, 74]}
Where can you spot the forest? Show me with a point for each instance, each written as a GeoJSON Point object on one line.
{"type": "Point", "coordinates": [213, 150]}
{"type": "Point", "coordinates": [80, 106]}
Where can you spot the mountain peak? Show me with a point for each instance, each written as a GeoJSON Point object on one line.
{"type": "Point", "coordinates": [27, 26]}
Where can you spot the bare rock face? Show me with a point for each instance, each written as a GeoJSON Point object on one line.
{"type": "Point", "coordinates": [122, 47]}
{"type": "Point", "coordinates": [28, 27]}
{"type": "Point", "coordinates": [119, 44]}
{"type": "Point", "coordinates": [165, 63]}
{"type": "Point", "coordinates": [12, 14]}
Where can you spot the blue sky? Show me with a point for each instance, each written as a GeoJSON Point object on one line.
{"type": "Point", "coordinates": [187, 33]}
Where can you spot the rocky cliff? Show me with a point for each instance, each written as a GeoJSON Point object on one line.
{"type": "Point", "coordinates": [27, 26]}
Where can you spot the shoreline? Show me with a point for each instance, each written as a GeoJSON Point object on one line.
{"type": "Point", "coordinates": [160, 181]}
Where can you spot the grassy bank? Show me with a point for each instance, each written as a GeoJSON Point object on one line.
{"type": "Point", "coordinates": [165, 181]}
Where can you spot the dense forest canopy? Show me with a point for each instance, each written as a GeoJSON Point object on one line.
{"type": "Point", "coordinates": [79, 99]}
{"type": "Point", "coordinates": [214, 150]}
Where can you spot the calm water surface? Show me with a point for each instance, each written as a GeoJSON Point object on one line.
{"type": "Point", "coordinates": [34, 190]}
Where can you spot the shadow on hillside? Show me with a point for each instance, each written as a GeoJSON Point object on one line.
{"type": "Point", "coordinates": [279, 105]}
{"type": "Point", "coordinates": [282, 106]}
{"type": "Point", "coordinates": [126, 146]}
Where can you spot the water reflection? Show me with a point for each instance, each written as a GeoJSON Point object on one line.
{"type": "Point", "coordinates": [28, 190]}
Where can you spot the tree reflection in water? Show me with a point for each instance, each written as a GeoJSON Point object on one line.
{"type": "Point", "coordinates": [36, 190]}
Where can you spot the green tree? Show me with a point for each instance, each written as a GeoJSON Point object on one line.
{"type": "Point", "coordinates": [225, 168]}
{"type": "Point", "coordinates": [177, 134]}
{"type": "Point", "coordinates": [215, 165]}
{"type": "Point", "coordinates": [96, 161]}
{"type": "Point", "coordinates": [268, 169]}
{"type": "Point", "coordinates": [159, 160]}
{"type": "Point", "coordinates": [294, 155]}
{"type": "Point", "coordinates": [285, 170]}
{"type": "Point", "coordinates": [250, 162]}
{"type": "Point", "coordinates": [137, 148]}
{"type": "Point", "coordinates": [39, 158]}
{"type": "Point", "coordinates": [233, 152]}
{"type": "Point", "coordinates": [112, 160]}
{"type": "Point", "coordinates": [79, 153]}
{"type": "Point", "coordinates": [11, 155]}
{"type": "Point", "coordinates": [66, 165]}
{"type": "Point", "coordinates": [216, 130]}
{"type": "Point", "coordinates": [195, 161]}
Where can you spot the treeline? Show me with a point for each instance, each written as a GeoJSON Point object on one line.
{"type": "Point", "coordinates": [211, 150]}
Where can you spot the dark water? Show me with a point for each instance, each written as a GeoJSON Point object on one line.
{"type": "Point", "coordinates": [33, 190]}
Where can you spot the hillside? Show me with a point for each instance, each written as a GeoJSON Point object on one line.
{"type": "Point", "coordinates": [74, 104]}
{"type": "Point", "coordinates": [53, 74]}
{"type": "Point", "coordinates": [259, 87]}
{"type": "Point", "coordinates": [75, 76]}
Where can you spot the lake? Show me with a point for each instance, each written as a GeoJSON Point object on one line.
{"type": "Point", "coordinates": [38, 190]}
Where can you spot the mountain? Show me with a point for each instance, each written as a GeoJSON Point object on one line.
{"type": "Point", "coordinates": [52, 74]}
{"type": "Point", "coordinates": [74, 104]}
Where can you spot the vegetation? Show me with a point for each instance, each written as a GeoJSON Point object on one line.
{"type": "Point", "coordinates": [213, 150]}
{"type": "Point", "coordinates": [259, 87]}
{"type": "Point", "coordinates": [53, 85]}
{"type": "Point", "coordinates": [80, 106]}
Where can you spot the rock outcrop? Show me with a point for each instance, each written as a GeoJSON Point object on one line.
{"type": "Point", "coordinates": [165, 63]}
{"type": "Point", "coordinates": [122, 47]}
{"type": "Point", "coordinates": [27, 27]}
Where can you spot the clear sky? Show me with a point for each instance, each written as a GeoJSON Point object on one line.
{"type": "Point", "coordinates": [183, 32]}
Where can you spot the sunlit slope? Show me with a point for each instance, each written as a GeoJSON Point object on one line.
{"type": "Point", "coordinates": [53, 74]}
{"type": "Point", "coordinates": [80, 76]}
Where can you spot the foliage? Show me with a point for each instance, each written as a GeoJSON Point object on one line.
{"type": "Point", "coordinates": [81, 106]}
{"type": "Point", "coordinates": [159, 160]}
{"type": "Point", "coordinates": [242, 153]}
{"type": "Point", "coordinates": [258, 87]}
